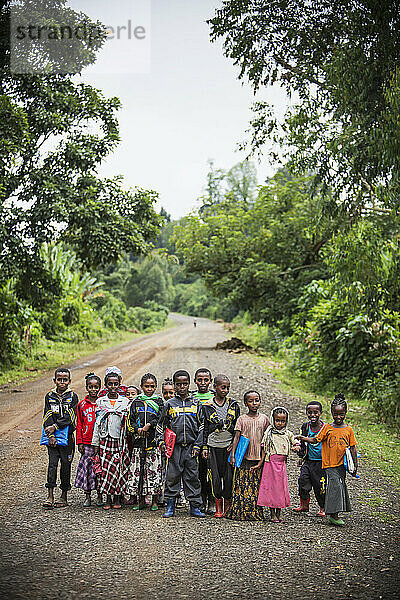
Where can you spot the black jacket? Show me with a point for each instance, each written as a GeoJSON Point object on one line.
{"type": "Point", "coordinates": [144, 410]}
{"type": "Point", "coordinates": [60, 410]}
{"type": "Point", "coordinates": [213, 422]}
{"type": "Point", "coordinates": [185, 418]}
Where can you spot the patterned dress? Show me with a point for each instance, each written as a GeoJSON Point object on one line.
{"type": "Point", "coordinates": [146, 463]}
{"type": "Point", "coordinates": [110, 436]}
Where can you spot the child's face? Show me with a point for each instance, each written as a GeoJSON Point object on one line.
{"type": "Point", "coordinates": [131, 393]}
{"type": "Point", "coordinates": [113, 384]}
{"type": "Point", "coordinates": [222, 388]}
{"type": "Point", "coordinates": [93, 388]}
{"type": "Point", "coordinates": [203, 381]}
{"type": "Point", "coordinates": [182, 386]}
{"type": "Point", "coordinates": [149, 387]}
{"type": "Point", "coordinates": [253, 402]}
{"type": "Point", "coordinates": [62, 381]}
{"type": "Point", "coordinates": [168, 391]}
{"type": "Point", "coordinates": [280, 421]}
{"type": "Point", "coordinates": [338, 414]}
{"type": "Point", "coordinates": [313, 413]}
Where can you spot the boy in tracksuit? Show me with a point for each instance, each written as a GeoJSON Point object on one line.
{"type": "Point", "coordinates": [220, 416]}
{"type": "Point", "coordinates": [59, 412]}
{"type": "Point", "coordinates": [205, 396]}
{"type": "Point", "coordinates": [184, 416]}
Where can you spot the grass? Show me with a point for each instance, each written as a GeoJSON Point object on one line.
{"type": "Point", "coordinates": [49, 354]}
{"type": "Point", "coordinates": [378, 444]}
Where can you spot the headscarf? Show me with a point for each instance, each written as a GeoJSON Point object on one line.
{"type": "Point", "coordinates": [267, 440]}
{"type": "Point", "coordinates": [114, 371]}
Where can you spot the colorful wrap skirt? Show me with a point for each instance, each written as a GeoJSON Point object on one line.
{"type": "Point", "coordinates": [145, 472]}
{"type": "Point", "coordinates": [246, 485]}
{"type": "Point", "coordinates": [274, 487]}
{"type": "Point", "coordinates": [85, 478]}
{"type": "Point", "coordinates": [114, 466]}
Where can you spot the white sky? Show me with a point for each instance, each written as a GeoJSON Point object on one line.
{"type": "Point", "coordinates": [185, 107]}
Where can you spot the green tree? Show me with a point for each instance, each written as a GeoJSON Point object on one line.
{"type": "Point", "coordinates": [259, 257]}
{"type": "Point", "coordinates": [341, 59]}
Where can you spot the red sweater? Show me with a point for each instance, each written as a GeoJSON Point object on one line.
{"type": "Point", "coordinates": [85, 421]}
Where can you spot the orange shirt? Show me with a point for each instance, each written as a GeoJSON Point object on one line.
{"type": "Point", "coordinates": [335, 440]}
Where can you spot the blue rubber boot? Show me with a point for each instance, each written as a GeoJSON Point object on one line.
{"type": "Point", "coordinates": [196, 512]}
{"type": "Point", "coordinates": [170, 507]}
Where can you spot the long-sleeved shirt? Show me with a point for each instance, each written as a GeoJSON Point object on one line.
{"type": "Point", "coordinates": [60, 410]}
{"type": "Point", "coordinates": [109, 417]}
{"type": "Point", "coordinates": [143, 410]}
{"type": "Point", "coordinates": [85, 418]}
{"type": "Point", "coordinates": [185, 417]}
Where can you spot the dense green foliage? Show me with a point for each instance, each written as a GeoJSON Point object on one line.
{"type": "Point", "coordinates": [58, 219]}
{"type": "Point", "coordinates": [340, 315]}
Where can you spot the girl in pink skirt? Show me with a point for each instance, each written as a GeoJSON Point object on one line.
{"type": "Point", "coordinates": [276, 445]}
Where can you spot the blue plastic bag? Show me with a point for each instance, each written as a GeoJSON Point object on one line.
{"type": "Point", "coordinates": [240, 450]}
{"type": "Point", "coordinates": [61, 436]}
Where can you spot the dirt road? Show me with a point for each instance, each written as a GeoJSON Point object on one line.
{"type": "Point", "coordinates": [91, 554]}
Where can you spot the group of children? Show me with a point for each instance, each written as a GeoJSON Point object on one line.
{"type": "Point", "coordinates": [142, 449]}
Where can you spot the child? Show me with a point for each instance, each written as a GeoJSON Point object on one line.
{"type": "Point", "coordinates": [202, 379]}
{"type": "Point", "coordinates": [85, 418]}
{"type": "Point", "coordinates": [311, 474]}
{"type": "Point", "coordinates": [167, 388]}
{"type": "Point", "coordinates": [132, 392]}
{"type": "Point", "coordinates": [59, 412]}
{"type": "Point", "coordinates": [110, 441]}
{"type": "Point", "coordinates": [145, 469]}
{"type": "Point", "coordinates": [335, 438]}
{"type": "Point", "coordinates": [246, 479]}
{"type": "Point", "coordinates": [122, 388]}
{"type": "Point", "coordinates": [275, 449]}
{"type": "Point", "coordinates": [219, 424]}
{"type": "Point", "coordinates": [184, 416]}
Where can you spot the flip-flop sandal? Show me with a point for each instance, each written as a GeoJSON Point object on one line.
{"type": "Point", "coordinates": [60, 504]}
{"type": "Point", "coordinates": [117, 506]}
{"type": "Point", "coordinates": [154, 507]}
{"type": "Point", "coordinates": [48, 504]}
{"type": "Point", "coordinates": [106, 506]}
{"type": "Point", "coordinates": [336, 522]}
{"type": "Point", "coordinates": [281, 520]}
{"type": "Point", "coordinates": [274, 520]}
{"type": "Point", "coordinates": [87, 504]}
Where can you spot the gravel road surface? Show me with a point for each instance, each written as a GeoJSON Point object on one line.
{"type": "Point", "coordinates": [92, 554]}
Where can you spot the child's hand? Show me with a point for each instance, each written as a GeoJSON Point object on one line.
{"type": "Point", "coordinates": [50, 429]}
{"type": "Point", "coordinates": [256, 467]}
{"type": "Point", "coordinates": [232, 460]}
{"type": "Point", "coordinates": [300, 437]}
{"type": "Point", "coordinates": [299, 462]}
{"type": "Point", "coordinates": [162, 447]}
{"type": "Point", "coordinates": [195, 452]}
{"type": "Point", "coordinates": [95, 450]}
{"type": "Point", "coordinates": [296, 448]}
{"type": "Point", "coordinates": [81, 448]}
{"type": "Point", "coordinates": [229, 448]}
{"type": "Point", "coordinates": [204, 453]}
{"type": "Point", "coordinates": [52, 442]}
{"type": "Point", "coordinates": [146, 428]}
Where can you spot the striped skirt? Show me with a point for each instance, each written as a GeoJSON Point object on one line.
{"type": "Point", "coordinates": [85, 478]}
{"type": "Point", "coordinates": [114, 467]}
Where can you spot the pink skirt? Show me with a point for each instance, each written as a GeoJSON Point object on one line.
{"type": "Point", "coordinates": [274, 488]}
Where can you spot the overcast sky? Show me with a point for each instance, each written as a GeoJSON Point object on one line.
{"type": "Point", "coordinates": [182, 103]}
